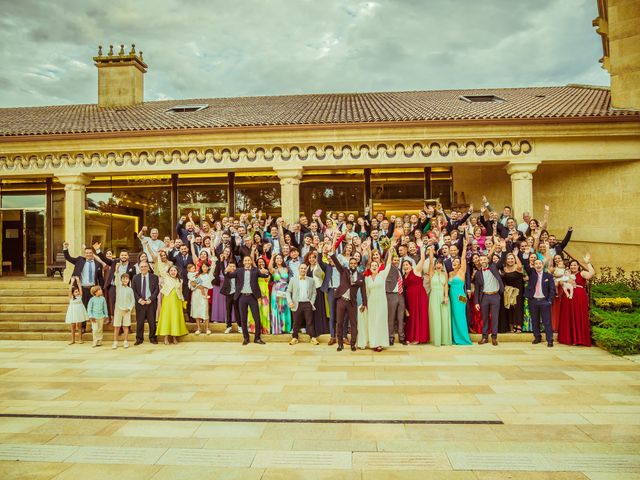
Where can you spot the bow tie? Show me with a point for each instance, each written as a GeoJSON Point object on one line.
{"type": "Point", "coordinates": [485, 269]}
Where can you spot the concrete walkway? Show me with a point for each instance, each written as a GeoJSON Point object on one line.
{"type": "Point", "coordinates": [538, 413]}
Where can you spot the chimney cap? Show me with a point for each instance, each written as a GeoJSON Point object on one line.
{"type": "Point", "coordinates": [122, 58]}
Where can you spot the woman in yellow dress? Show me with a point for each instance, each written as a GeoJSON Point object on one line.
{"type": "Point", "coordinates": [171, 319]}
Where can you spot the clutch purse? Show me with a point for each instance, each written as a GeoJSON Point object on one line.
{"type": "Point", "coordinates": [385, 243]}
{"type": "Point", "coordinates": [462, 298]}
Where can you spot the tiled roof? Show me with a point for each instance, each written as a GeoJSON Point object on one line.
{"type": "Point", "coordinates": [573, 101]}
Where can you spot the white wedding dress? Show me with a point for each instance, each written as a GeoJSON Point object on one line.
{"type": "Point", "coordinates": [375, 325]}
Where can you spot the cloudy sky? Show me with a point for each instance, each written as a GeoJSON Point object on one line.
{"type": "Point", "coordinates": [222, 48]}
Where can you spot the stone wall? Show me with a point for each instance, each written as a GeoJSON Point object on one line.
{"type": "Point", "coordinates": [601, 202]}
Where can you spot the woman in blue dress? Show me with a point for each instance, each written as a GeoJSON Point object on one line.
{"type": "Point", "coordinates": [458, 299]}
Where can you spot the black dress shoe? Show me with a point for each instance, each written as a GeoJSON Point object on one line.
{"type": "Point", "coordinates": [340, 348]}
{"type": "Point", "coordinates": [391, 340]}
{"type": "Point", "coordinates": [404, 342]}
{"type": "Point", "coordinates": [550, 344]}
{"type": "Point", "coordinates": [494, 341]}
{"type": "Point", "coordinates": [154, 341]}
{"type": "Point", "coordinates": [260, 341]}
{"type": "Point", "coordinates": [139, 342]}
{"type": "Point", "coordinates": [536, 341]}
{"type": "Point", "coordinates": [245, 342]}
{"type": "Point", "coordinates": [353, 348]}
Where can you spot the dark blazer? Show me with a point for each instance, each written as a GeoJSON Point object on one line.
{"type": "Point", "coordinates": [253, 279]}
{"type": "Point", "coordinates": [183, 233]}
{"type": "Point", "coordinates": [345, 283]}
{"type": "Point", "coordinates": [108, 278]}
{"type": "Point", "coordinates": [478, 281]}
{"type": "Point", "coordinates": [154, 287]}
{"type": "Point", "coordinates": [392, 279]}
{"type": "Point", "coordinates": [560, 246]}
{"type": "Point", "coordinates": [218, 269]}
{"type": "Point", "coordinates": [78, 266]}
{"type": "Point", "coordinates": [181, 264]}
{"type": "Point", "coordinates": [548, 286]}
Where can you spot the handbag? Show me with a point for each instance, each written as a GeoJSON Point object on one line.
{"type": "Point", "coordinates": [462, 298]}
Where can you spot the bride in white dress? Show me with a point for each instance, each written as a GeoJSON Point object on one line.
{"type": "Point", "coordinates": [375, 333]}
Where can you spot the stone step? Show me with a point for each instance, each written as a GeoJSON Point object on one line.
{"type": "Point", "coordinates": [29, 307]}
{"type": "Point", "coordinates": [15, 291]}
{"type": "Point", "coordinates": [217, 336]}
{"type": "Point", "coordinates": [35, 282]}
{"type": "Point", "coordinates": [32, 316]}
{"type": "Point", "coordinates": [60, 326]}
{"type": "Point", "coordinates": [30, 300]}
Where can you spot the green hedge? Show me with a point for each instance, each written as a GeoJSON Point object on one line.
{"type": "Point", "coordinates": [619, 341]}
{"type": "Point", "coordinates": [615, 330]}
{"type": "Point", "coordinates": [609, 290]}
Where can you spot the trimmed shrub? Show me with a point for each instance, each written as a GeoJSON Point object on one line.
{"type": "Point", "coordinates": [619, 341]}
{"type": "Point", "coordinates": [615, 290]}
{"type": "Point", "coordinates": [614, 303]}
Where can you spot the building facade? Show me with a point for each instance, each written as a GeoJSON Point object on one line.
{"type": "Point", "coordinates": [82, 173]}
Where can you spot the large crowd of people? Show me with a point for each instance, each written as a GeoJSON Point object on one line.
{"type": "Point", "coordinates": [364, 280]}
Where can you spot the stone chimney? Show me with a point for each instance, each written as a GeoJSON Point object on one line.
{"type": "Point", "coordinates": [120, 77]}
{"type": "Point", "coordinates": [618, 23]}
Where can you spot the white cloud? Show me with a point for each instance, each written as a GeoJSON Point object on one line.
{"type": "Point", "coordinates": [216, 48]}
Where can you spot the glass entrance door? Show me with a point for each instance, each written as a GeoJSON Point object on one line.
{"type": "Point", "coordinates": [23, 242]}
{"type": "Point", "coordinates": [34, 242]}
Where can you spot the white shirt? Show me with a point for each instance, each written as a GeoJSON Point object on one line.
{"type": "Point", "coordinates": [154, 246]}
{"type": "Point", "coordinates": [523, 227]}
{"type": "Point", "coordinates": [246, 288]}
{"type": "Point", "coordinates": [88, 279]}
{"type": "Point", "coordinates": [303, 287]}
{"type": "Point", "coordinates": [490, 281]}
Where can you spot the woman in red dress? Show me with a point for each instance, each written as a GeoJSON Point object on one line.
{"type": "Point", "coordinates": [416, 301]}
{"type": "Point", "coordinates": [574, 327]}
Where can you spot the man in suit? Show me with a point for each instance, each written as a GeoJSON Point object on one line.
{"type": "Point", "coordinates": [301, 296]}
{"type": "Point", "coordinates": [146, 287]}
{"type": "Point", "coordinates": [541, 291]}
{"type": "Point", "coordinates": [186, 230]}
{"type": "Point", "coordinates": [228, 289]}
{"type": "Point", "coordinates": [395, 301]}
{"type": "Point", "coordinates": [181, 260]}
{"type": "Point", "coordinates": [346, 294]}
{"type": "Point", "coordinates": [329, 285]}
{"type": "Point", "coordinates": [488, 291]}
{"type": "Point", "coordinates": [556, 248]}
{"type": "Point", "coordinates": [116, 270]}
{"type": "Point", "coordinates": [87, 270]}
{"type": "Point", "coordinates": [247, 294]}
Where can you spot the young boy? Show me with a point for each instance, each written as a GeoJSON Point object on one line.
{"type": "Point", "coordinates": [97, 311]}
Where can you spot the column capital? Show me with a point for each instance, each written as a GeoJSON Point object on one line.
{"type": "Point", "coordinates": [522, 167]}
{"type": "Point", "coordinates": [79, 179]}
{"type": "Point", "coordinates": [290, 176]}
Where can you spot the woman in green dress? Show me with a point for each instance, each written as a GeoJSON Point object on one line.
{"type": "Point", "coordinates": [458, 299]}
{"type": "Point", "coordinates": [439, 317]}
{"type": "Point", "coordinates": [263, 302]}
{"type": "Point", "coordinates": [171, 322]}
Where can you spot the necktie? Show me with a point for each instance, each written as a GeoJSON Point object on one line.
{"type": "Point", "coordinates": [539, 287]}
{"type": "Point", "coordinates": [144, 286]}
{"type": "Point", "coordinates": [91, 276]}
{"type": "Point", "coordinates": [400, 286]}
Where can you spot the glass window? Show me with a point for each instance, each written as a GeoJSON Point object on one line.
{"type": "Point", "coordinates": [117, 207]}
{"type": "Point", "coordinates": [203, 196]}
{"type": "Point", "coordinates": [23, 194]}
{"type": "Point", "coordinates": [259, 190]}
{"type": "Point", "coordinates": [442, 185]}
{"type": "Point", "coordinates": [397, 191]}
{"type": "Point", "coordinates": [57, 223]}
{"type": "Point", "coordinates": [332, 191]}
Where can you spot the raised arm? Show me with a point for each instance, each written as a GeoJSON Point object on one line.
{"type": "Point", "coordinates": [590, 270]}
{"type": "Point", "coordinates": [430, 260]}
{"type": "Point", "coordinates": [545, 218]}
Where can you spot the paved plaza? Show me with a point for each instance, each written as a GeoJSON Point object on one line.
{"type": "Point", "coordinates": [515, 411]}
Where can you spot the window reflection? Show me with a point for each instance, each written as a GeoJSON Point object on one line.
{"type": "Point", "coordinates": [258, 190]}
{"type": "Point", "coordinates": [332, 190]}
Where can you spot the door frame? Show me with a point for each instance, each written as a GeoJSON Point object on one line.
{"type": "Point", "coordinates": [23, 215]}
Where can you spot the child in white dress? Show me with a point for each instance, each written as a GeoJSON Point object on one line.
{"type": "Point", "coordinates": [76, 312]}
{"type": "Point", "coordinates": [200, 284]}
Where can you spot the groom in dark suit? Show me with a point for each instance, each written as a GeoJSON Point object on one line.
{"type": "Point", "coordinates": [488, 292]}
{"type": "Point", "coordinates": [247, 295]}
{"type": "Point", "coordinates": [146, 287]}
{"type": "Point", "coordinates": [351, 280]}
{"type": "Point", "coordinates": [541, 291]}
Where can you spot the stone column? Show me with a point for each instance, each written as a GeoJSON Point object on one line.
{"type": "Point", "coordinates": [74, 205]}
{"type": "Point", "coordinates": [521, 187]}
{"type": "Point", "coordinates": [290, 193]}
